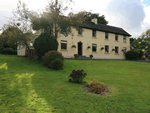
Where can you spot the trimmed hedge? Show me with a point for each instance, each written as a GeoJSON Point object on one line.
{"type": "Point", "coordinates": [50, 56]}
{"type": "Point", "coordinates": [132, 55]}
{"type": "Point", "coordinates": [44, 43]}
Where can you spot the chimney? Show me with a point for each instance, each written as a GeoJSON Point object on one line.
{"type": "Point", "coordinates": [94, 20]}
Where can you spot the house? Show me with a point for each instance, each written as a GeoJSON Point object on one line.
{"type": "Point", "coordinates": [96, 39]}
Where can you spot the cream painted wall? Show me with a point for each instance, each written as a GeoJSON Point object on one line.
{"type": "Point", "coordinates": [88, 40]}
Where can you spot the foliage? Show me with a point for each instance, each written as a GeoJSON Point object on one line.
{"type": "Point", "coordinates": [77, 76]}
{"type": "Point", "coordinates": [96, 87]}
{"type": "Point", "coordinates": [7, 51]}
{"type": "Point", "coordinates": [143, 41]}
{"type": "Point", "coordinates": [50, 56]}
{"type": "Point", "coordinates": [141, 53]}
{"type": "Point", "coordinates": [53, 20]}
{"type": "Point", "coordinates": [44, 43]}
{"type": "Point", "coordinates": [100, 19]}
{"type": "Point", "coordinates": [91, 56]}
{"type": "Point", "coordinates": [56, 64]}
{"type": "Point", "coordinates": [76, 55]}
{"type": "Point", "coordinates": [1, 45]}
{"type": "Point", "coordinates": [132, 55]}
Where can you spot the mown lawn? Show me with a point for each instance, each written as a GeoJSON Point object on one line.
{"type": "Point", "coordinates": [31, 88]}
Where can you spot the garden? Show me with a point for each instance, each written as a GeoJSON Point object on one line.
{"type": "Point", "coordinates": [28, 86]}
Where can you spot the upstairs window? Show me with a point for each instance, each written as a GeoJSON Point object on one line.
{"type": "Point", "coordinates": [80, 31]}
{"type": "Point", "coordinates": [94, 46]}
{"type": "Point", "coordinates": [94, 33]}
{"type": "Point", "coordinates": [124, 49]}
{"type": "Point", "coordinates": [106, 35]}
{"type": "Point", "coordinates": [63, 44]}
{"type": "Point", "coordinates": [116, 50]}
{"type": "Point", "coordinates": [106, 49]}
{"type": "Point", "coordinates": [116, 37]}
{"type": "Point", "coordinates": [124, 38]}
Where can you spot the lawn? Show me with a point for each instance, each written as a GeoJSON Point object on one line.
{"type": "Point", "coordinates": [29, 87]}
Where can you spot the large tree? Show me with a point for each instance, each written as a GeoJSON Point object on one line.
{"type": "Point", "coordinates": [54, 22]}
{"type": "Point", "coordinates": [143, 42]}
{"type": "Point", "coordinates": [100, 19]}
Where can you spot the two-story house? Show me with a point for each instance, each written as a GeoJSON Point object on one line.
{"type": "Point", "coordinates": [96, 39]}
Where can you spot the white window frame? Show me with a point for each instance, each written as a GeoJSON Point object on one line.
{"type": "Point", "coordinates": [93, 33]}
{"type": "Point", "coordinates": [116, 35]}
{"type": "Point", "coordinates": [93, 46]}
{"type": "Point", "coordinates": [62, 41]}
{"type": "Point", "coordinates": [105, 49]}
{"type": "Point", "coordinates": [124, 37]}
{"type": "Point", "coordinates": [115, 50]}
{"type": "Point", "coordinates": [80, 30]}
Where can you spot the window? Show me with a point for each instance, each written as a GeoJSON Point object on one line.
{"type": "Point", "coordinates": [116, 37]}
{"type": "Point", "coordinates": [63, 44]}
{"type": "Point", "coordinates": [94, 46]}
{"type": "Point", "coordinates": [94, 33]}
{"type": "Point", "coordinates": [106, 35]}
{"type": "Point", "coordinates": [125, 49]}
{"type": "Point", "coordinates": [116, 50]}
{"type": "Point", "coordinates": [124, 39]}
{"type": "Point", "coordinates": [106, 49]}
{"type": "Point", "coordinates": [80, 31]}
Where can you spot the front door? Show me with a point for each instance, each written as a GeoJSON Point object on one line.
{"type": "Point", "coordinates": [80, 48]}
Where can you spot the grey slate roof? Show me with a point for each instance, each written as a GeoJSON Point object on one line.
{"type": "Point", "coordinates": [105, 28]}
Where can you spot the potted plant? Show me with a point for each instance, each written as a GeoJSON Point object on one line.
{"type": "Point", "coordinates": [75, 55]}
{"type": "Point", "coordinates": [102, 48]}
{"type": "Point", "coordinates": [122, 50]}
{"type": "Point", "coordinates": [73, 46]}
{"type": "Point", "coordinates": [91, 56]}
{"type": "Point", "coordinates": [113, 49]}
{"type": "Point", "coordinates": [88, 47]}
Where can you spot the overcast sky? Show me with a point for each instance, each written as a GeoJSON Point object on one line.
{"type": "Point", "coordinates": [131, 15]}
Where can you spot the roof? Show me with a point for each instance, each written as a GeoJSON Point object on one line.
{"type": "Point", "coordinates": [105, 28]}
{"type": "Point", "coordinates": [102, 27]}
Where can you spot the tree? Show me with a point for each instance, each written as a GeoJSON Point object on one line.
{"type": "Point", "coordinates": [19, 29]}
{"type": "Point", "coordinates": [54, 22]}
{"type": "Point", "coordinates": [143, 42]}
{"type": "Point", "coordinates": [100, 19]}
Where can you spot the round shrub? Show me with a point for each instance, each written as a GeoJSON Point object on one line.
{"type": "Point", "coordinates": [50, 56]}
{"type": "Point", "coordinates": [56, 64]}
{"type": "Point", "coordinates": [132, 55]}
{"type": "Point", "coordinates": [8, 51]}
{"type": "Point", "coordinates": [44, 43]}
{"type": "Point", "coordinates": [96, 87]}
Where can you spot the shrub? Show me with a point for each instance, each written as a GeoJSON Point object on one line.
{"type": "Point", "coordinates": [77, 76]}
{"type": "Point", "coordinates": [132, 55]}
{"type": "Point", "coordinates": [50, 56]}
{"type": "Point", "coordinates": [96, 87]}
{"type": "Point", "coordinates": [76, 55]}
{"type": "Point", "coordinates": [1, 45]}
{"type": "Point", "coordinates": [56, 64]}
{"type": "Point", "coordinates": [44, 43]}
{"type": "Point", "coordinates": [8, 51]}
{"type": "Point", "coordinates": [141, 53]}
{"type": "Point", "coordinates": [91, 56]}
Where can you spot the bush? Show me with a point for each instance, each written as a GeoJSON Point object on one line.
{"type": "Point", "coordinates": [141, 53]}
{"type": "Point", "coordinates": [75, 55]}
{"type": "Point", "coordinates": [96, 87]}
{"type": "Point", "coordinates": [50, 56]}
{"type": "Point", "coordinates": [8, 51]}
{"type": "Point", "coordinates": [44, 43]}
{"type": "Point", "coordinates": [56, 64]}
{"type": "Point", "coordinates": [77, 76]}
{"type": "Point", "coordinates": [132, 55]}
{"type": "Point", "coordinates": [1, 45]}
{"type": "Point", "coordinates": [91, 56]}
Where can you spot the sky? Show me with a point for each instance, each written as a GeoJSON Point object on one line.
{"type": "Point", "coordinates": [131, 15]}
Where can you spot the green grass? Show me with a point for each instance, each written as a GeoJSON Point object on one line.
{"type": "Point", "coordinates": [31, 88]}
